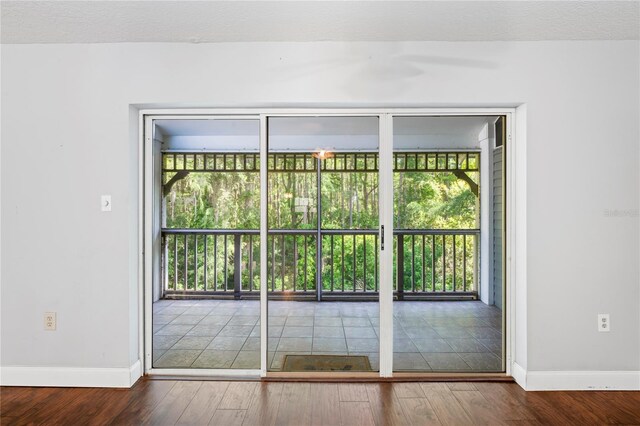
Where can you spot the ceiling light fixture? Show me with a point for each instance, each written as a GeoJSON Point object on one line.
{"type": "Point", "coordinates": [322, 154]}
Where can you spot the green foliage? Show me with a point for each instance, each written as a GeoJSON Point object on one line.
{"type": "Point", "coordinates": [214, 201]}
{"type": "Point", "coordinates": [433, 201]}
{"type": "Point", "coordinates": [231, 200]}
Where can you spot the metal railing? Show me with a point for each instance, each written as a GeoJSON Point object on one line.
{"type": "Point", "coordinates": [428, 263]}
{"type": "Point", "coordinates": [437, 262]}
{"type": "Point", "coordinates": [200, 262]}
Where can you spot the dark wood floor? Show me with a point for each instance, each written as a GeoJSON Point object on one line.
{"type": "Point", "coordinates": [165, 402]}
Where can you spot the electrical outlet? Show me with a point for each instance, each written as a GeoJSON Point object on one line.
{"type": "Point", "coordinates": [604, 323]}
{"type": "Point", "coordinates": [50, 322]}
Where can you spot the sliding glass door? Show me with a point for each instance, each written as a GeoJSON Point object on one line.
{"type": "Point", "coordinates": [444, 321]}
{"type": "Point", "coordinates": [300, 244]}
{"type": "Point", "coordinates": [205, 239]}
{"type": "Point", "coordinates": [323, 263]}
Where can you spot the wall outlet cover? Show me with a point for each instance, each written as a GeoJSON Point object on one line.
{"type": "Point", "coordinates": [50, 321]}
{"type": "Point", "coordinates": [604, 323]}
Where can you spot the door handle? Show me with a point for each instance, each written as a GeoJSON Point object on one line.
{"type": "Point", "coordinates": [381, 237]}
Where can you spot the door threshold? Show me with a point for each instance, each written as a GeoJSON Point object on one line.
{"type": "Point", "coordinates": [202, 378]}
{"type": "Point", "coordinates": [368, 377]}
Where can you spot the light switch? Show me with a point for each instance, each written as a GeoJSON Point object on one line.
{"type": "Point", "coordinates": [105, 203]}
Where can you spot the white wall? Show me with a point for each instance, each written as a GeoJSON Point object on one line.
{"type": "Point", "coordinates": [67, 138]}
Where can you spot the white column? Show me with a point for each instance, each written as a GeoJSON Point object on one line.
{"type": "Point", "coordinates": [486, 220]}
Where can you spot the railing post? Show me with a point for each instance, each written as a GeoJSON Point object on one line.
{"type": "Point", "coordinates": [319, 234]}
{"type": "Point", "coordinates": [237, 266]}
{"type": "Point", "coordinates": [400, 267]}
{"type": "Point", "coordinates": [476, 269]}
{"type": "Point", "coordinates": [164, 262]}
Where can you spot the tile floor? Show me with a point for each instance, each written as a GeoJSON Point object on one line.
{"type": "Point", "coordinates": [428, 336]}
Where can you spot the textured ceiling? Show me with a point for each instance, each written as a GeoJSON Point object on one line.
{"type": "Point", "coordinates": [231, 21]}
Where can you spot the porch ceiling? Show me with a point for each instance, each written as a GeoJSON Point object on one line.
{"type": "Point", "coordinates": [310, 133]}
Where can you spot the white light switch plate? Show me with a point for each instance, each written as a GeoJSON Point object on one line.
{"type": "Point", "coordinates": [105, 203]}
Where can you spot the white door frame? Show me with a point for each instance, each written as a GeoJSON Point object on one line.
{"type": "Point", "coordinates": [385, 191]}
{"type": "Point", "coordinates": [385, 115]}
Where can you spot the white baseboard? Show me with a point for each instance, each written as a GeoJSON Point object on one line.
{"type": "Point", "coordinates": [576, 380]}
{"type": "Point", "coordinates": [135, 372]}
{"type": "Point", "coordinates": [70, 376]}
{"type": "Point", "coordinates": [519, 374]}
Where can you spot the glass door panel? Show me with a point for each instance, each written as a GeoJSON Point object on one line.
{"type": "Point", "coordinates": [206, 306]}
{"type": "Point", "coordinates": [323, 223]}
{"type": "Point", "coordinates": [442, 321]}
